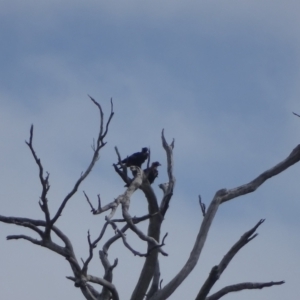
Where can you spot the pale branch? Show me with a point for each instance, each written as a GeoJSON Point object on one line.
{"type": "Point", "coordinates": [45, 241]}
{"type": "Point", "coordinates": [95, 242]}
{"type": "Point", "coordinates": [164, 187]}
{"type": "Point", "coordinates": [108, 268]}
{"type": "Point", "coordinates": [168, 192]}
{"type": "Point", "coordinates": [126, 244]}
{"type": "Point", "coordinates": [124, 199]}
{"type": "Point", "coordinates": [217, 271]}
{"type": "Point", "coordinates": [148, 269]}
{"type": "Point", "coordinates": [33, 224]}
{"type": "Point", "coordinates": [87, 290]}
{"type": "Point", "coordinates": [155, 282]}
{"type": "Point", "coordinates": [222, 196]}
{"type": "Point", "coordinates": [105, 284]}
{"type": "Point", "coordinates": [118, 231]}
{"type": "Point", "coordinates": [139, 233]}
{"type": "Point", "coordinates": [102, 135]}
{"type": "Point", "coordinates": [119, 156]}
{"type": "Point", "coordinates": [44, 182]}
{"type": "Point", "coordinates": [202, 206]}
{"type": "Point", "coordinates": [25, 222]}
{"type": "Point", "coordinates": [113, 239]}
{"type": "Point", "coordinates": [91, 291]}
{"type": "Point", "coordinates": [136, 219]}
{"type": "Point", "coordinates": [113, 206]}
{"type": "Point", "coordinates": [169, 288]}
{"type": "Point", "coordinates": [242, 286]}
{"type": "Point", "coordinates": [124, 229]}
{"type": "Point", "coordinates": [250, 187]}
{"type": "Point", "coordinates": [100, 144]}
{"type": "Point", "coordinates": [123, 174]}
{"type": "Point", "coordinates": [106, 294]}
{"type": "Point", "coordinates": [159, 246]}
{"type": "Point", "coordinates": [160, 284]}
{"type": "Point", "coordinates": [134, 185]}
{"type": "Point", "coordinates": [25, 237]}
{"type": "Point", "coordinates": [81, 281]}
{"type": "Point", "coordinates": [149, 157]}
{"type": "Point", "coordinates": [91, 248]}
{"type": "Point", "coordinates": [93, 245]}
{"type": "Point", "coordinates": [91, 205]}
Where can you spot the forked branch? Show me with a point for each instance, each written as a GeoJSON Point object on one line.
{"type": "Point", "coordinates": [216, 271]}
{"type": "Point", "coordinates": [220, 197]}
{"type": "Point", "coordinates": [250, 187]}
{"type": "Point", "coordinates": [154, 227]}
{"type": "Point", "coordinates": [100, 144]}
{"type": "Point", "coordinates": [44, 179]}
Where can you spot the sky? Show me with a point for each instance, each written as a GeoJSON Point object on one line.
{"type": "Point", "coordinates": [221, 78]}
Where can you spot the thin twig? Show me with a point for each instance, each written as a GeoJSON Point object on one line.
{"type": "Point", "coordinates": [202, 206]}
{"type": "Point", "coordinates": [100, 144]}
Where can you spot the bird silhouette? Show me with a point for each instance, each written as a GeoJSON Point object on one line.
{"type": "Point", "coordinates": [136, 159]}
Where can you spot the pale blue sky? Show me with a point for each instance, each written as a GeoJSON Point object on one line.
{"type": "Point", "coordinates": [221, 77]}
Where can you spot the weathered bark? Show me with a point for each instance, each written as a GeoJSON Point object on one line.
{"type": "Point", "coordinates": [217, 271]}
{"type": "Point", "coordinates": [150, 271]}
{"type": "Point", "coordinates": [242, 286]}
{"type": "Point", "coordinates": [221, 197]}
{"type": "Point", "coordinates": [155, 223]}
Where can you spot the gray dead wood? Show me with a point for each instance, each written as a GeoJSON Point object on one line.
{"type": "Point", "coordinates": [155, 223]}
{"type": "Point", "coordinates": [217, 271]}
{"type": "Point", "coordinates": [242, 286]}
{"type": "Point", "coordinates": [221, 197]}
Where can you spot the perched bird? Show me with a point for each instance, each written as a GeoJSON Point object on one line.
{"type": "Point", "coordinates": [152, 172]}
{"type": "Point", "coordinates": [136, 159]}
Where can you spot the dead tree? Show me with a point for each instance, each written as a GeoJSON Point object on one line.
{"type": "Point", "coordinates": [148, 284]}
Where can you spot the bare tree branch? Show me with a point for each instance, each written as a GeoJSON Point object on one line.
{"type": "Point", "coordinates": [135, 229]}
{"type": "Point", "coordinates": [220, 197]}
{"type": "Point", "coordinates": [250, 187]}
{"type": "Point", "coordinates": [66, 251]}
{"type": "Point", "coordinates": [87, 290]}
{"type": "Point", "coordinates": [168, 289]}
{"type": "Point", "coordinates": [123, 174]}
{"type": "Point", "coordinates": [242, 286]}
{"type": "Point", "coordinates": [148, 269]}
{"type": "Point", "coordinates": [202, 206]}
{"type": "Point", "coordinates": [104, 283]}
{"type": "Point", "coordinates": [113, 206]}
{"type": "Point", "coordinates": [217, 271]}
{"type": "Point", "coordinates": [124, 229]}
{"type": "Point", "coordinates": [168, 191]}
{"type": "Point", "coordinates": [91, 248]}
{"type": "Point", "coordinates": [44, 182]}
{"type": "Point", "coordinates": [24, 237]}
{"type": "Point", "coordinates": [155, 281]}
{"type": "Point", "coordinates": [126, 244]}
{"type": "Point", "coordinates": [100, 144]}
{"type": "Point", "coordinates": [106, 294]}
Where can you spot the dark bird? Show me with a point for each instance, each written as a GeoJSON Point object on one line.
{"type": "Point", "coordinates": [136, 159]}
{"type": "Point", "coordinates": [152, 172]}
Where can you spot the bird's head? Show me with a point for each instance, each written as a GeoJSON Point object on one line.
{"type": "Point", "coordinates": [156, 164]}
{"type": "Point", "coordinates": [145, 150]}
